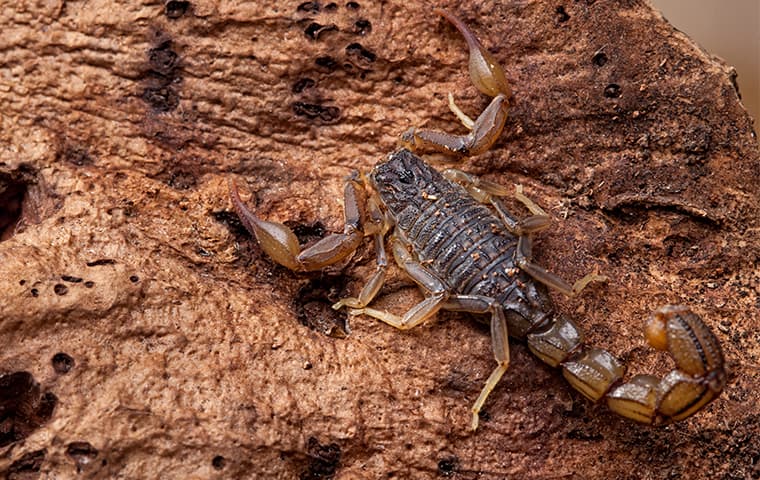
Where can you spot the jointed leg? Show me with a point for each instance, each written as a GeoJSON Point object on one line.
{"type": "Point", "coordinates": [373, 285]}
{"type": "Point", "coordinates": [540, 274]}
{"type": "Point", "coordinates": [499, 338]}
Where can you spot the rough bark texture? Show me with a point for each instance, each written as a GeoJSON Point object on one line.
{"type": "Point", "coordinates": [145, 335]}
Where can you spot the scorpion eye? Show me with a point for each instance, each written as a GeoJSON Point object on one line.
{"type": "Point", "coordinates": [405, 176]}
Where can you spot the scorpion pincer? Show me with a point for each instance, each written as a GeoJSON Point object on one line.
{"type": "Point", "coordinates": [453, 236]}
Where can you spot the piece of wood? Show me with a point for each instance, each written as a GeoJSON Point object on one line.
{"type": "Point", "coordinates": [188, 354]}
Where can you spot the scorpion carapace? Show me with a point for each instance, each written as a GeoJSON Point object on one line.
{"type": "Point", "coordinates": [454, 237]}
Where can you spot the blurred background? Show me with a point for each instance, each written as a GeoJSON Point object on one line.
{"type": "Point", "coordinates": [729, 29]}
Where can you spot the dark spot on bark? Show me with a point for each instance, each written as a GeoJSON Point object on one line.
{"type": "Point", "coordinates": [302, 84]}
{"type": "Point", "coordinates": [101, 261]}
{"type": "Point", "coordinates": [62, 363]}
{"type": "Point", "coordinates": [161, 99]}
{"type": "Point", "coordinates": [311, 7]}
{"type": "Point", "coordinates": [562, 15]}
{"type": "Point", "coordinates": [181, 180]}
{"type": "Point", "coordinates": [448, 466]}
{"type": "Point", "coordinates": [599, 59]}
{"type": "Point", "coordinates": [313, 305]}
{"type": "Point", "coordinates": [162, 59]}
{"type": "Point", "coordinates": [134, 278]}
{"type": "Point", "coordinates": [162, 77]}
{"type": "Point", "coordinates": [317, 112]}
{"type": "Point", "coordinates": [326, 63]}
{"type": "Point", "coordinates": [83, 453]}
{"type": "Point", "coordinates": [307, 232]}
{"type": "Point", "coordinates": [352, 6]}
{"type": "Point", "coordinates": [331, 7]}
{"type": "Point", "coordinates": [14, 188]}
{"type": "Point", "coordinates": [218, 462]}
{"type": "Point", "coordinates": [35, 293]}
{"type": "Point", "coordinates": [22, 282]}
{"type": "Point", "coordinates": [314, 30]}
{"type": "Point", "coordinates": [23, 406]}
{"type": "Point", "coordinates": [176, 8]}
{"type": "Point", "coordinates": [76, 155]}
{"type": "Point", "coordinates": [70, 279]}
{"type": "Point", "coordinates": [27, 467]}
{"type": "Point", "coordinates": [362, 27]}
{"type": "Point", "coordinates": [612, 90]}
{"type": "Point", "coordinates": [359, 55]}
{"type": "Point", "coordinates": [60, 289]}
{"type": "Point", "coordinates": [89, 284]}
{"type": "Point", "coordinates": [324, 460]}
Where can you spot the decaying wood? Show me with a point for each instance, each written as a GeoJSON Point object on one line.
{"type": "Point", "coordinates": [144, 334]}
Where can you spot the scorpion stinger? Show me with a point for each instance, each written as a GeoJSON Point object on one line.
{"type": "Point", "coordinates": [454, 237]}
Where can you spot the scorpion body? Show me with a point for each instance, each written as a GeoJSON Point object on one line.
{"type": "Point", "coordinates": [455, 238]}
{"type": "Point", "coordinates": [459, 239]}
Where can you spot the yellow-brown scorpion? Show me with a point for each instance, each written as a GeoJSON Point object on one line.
{"type": "Point", "coordinates": [454, 237]}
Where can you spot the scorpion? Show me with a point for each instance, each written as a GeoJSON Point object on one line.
{"type": "Point", "coordinates": [452, 234]}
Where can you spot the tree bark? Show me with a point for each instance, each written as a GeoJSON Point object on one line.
{"type": "Point", "coordinates": [145, 335]}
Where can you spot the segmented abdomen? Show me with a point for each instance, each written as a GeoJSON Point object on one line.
{"type": "Point", "coordinates": [452, 234]}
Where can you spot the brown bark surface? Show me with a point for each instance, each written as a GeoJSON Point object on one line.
{"type": "Point", "coordinates": [145, 335]}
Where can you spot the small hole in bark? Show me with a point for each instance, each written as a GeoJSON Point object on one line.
{"type": "Point", "coordinates": [303, 84]}
{"type": "Point", "coordinates": [12, 194]}
{"type": "Point", "coordinates": [331, 7]}
{"type": "Point", "coordinates": [71, 279]}
{"type": "Point", "coordinates": [448, 466]}
{"type": "Point", "coordinates": [83, 453]}
{"type": "Point", "coordinates": [22, 282]}
{"type": "Point", "coordinates": [89, 284]}
{"type": "Point", "coordinates": [359, 54]}
{"type": "Point", "coordinates": [163, 59]}
{"type": "Point", "coordinates": [314, 30]}
{"type": "Point", "coordinates": [484, 416]}
{"type": "Point", "coordinates": [362, 27]}
{"type": "Point", "coordinates": [311, 7]}
{"type": "Point", "coordinates": [23, 406]}
{"type": "Point", "coordinates": [35, 293]}
{"type": "Point", "coordinates": [101, 261]}
{"type": "Point", "coordinates": [612, 90]}
{"type": "Point", "coordinates": [316, 112]}
{"type": "Point", "coordinates": [62, 363]}
{"type": "Point", "coordinates": [175, 8]}
{"type": "Point", "coordinates": [324, 460]}
{"type": "Point", "coordinates": [562, 15]}
{"type": "Point", "coordinates": [352, 6]}
{"type": "Point", "coordinates": [599, 59]}
{"type": "Point", "coordinates": [134, 278]}
{"type": "Point", "coordinates": [60, 289]}
{"type": "Point", "coordinates": [313, 305]}
{"type": "Point", "coordinates": [326, 63]}
{"type": "Point", "coordinates": [307, 232]}
{"type": "Point", "coordinates": [161, 99]}
{"type": "Point", "coordinates": [27, 467]}
{"type": "Point", "coordinates": [218, 462]}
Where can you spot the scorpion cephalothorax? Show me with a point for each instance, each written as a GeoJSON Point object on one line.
{"type": "Point", "coordinates": [454, 237]}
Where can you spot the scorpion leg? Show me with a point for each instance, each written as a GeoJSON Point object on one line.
{"type": "Point", "coordinates": [487, 75]}
{"type": "Point", "coordinates": [488, 192]}
{"type": "Point", "coordinates": [373, 285]}
{"type": "Point", "coordinates": [523, 255]}
{"type": "Point", "coordinates": [499, 338]}
{"type": "Point", "coordinates": [698, 379]}
{"type": "Point", "coordinates": [429, 282]}
{"type": "Point", "coordinates": [281, 244]}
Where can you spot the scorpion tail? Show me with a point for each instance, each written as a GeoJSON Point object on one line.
{"type": "Point", "coordinates": [698, 379]}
